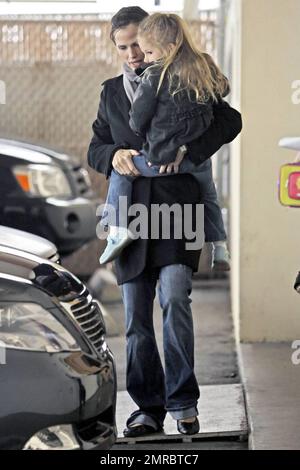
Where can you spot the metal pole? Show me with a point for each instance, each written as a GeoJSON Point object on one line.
{"type": "Point", "coordinates": [222, 156]}
{"type": "Point", "coordinates": [190, 10]}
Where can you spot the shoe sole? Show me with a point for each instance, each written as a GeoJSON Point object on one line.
{"type": "Point", "coordinates": [114, 254]}
{"type": "Point", "coordinates": [221, 266]}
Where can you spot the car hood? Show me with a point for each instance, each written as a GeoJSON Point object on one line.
{"type": "Point", "coordinates": [37, 153]}
{"type": "Point", "coordinates": [13, 238]}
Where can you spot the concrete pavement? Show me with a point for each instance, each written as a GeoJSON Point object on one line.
{"type": "Point", "coordinates": [271, 378]}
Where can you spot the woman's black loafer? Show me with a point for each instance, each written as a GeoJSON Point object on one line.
{"type": "Point", "coordinates": [139, 430]}
{"type": "Point", "coordinates": [297, 283]}
{"type": "Point", "coordinates": [188, 428]}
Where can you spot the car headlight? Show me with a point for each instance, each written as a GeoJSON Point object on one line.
{"type": "Point", "coordinates": [29, 326]}
{"type": "Point", "coordinates": [42, 180]}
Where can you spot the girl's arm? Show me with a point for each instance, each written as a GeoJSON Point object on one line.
{"type": "Point", "coordinates": [227, 124]}
{"type": "Point", "coordinates": [102, 147]}
{"type": "Point", "coordinates": [144, 105]}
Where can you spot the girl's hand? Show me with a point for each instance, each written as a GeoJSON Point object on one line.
{"type": "Point", "coordinates": [122, 162]}
{"type": "Point", "coordinates": [174, 166]}
{"type": "Point", "coordinates": [170, 168]}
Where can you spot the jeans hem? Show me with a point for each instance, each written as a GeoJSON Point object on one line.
{"type": "Point", "coordinates": [144, 419]}
{"type": "Point", "coordinates": [184, 412]}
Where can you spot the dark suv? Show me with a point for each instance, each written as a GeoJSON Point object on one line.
{"type": "Point", "coordinates": [47, 193]}
{"type": "Point", "coordinates": [57, 374]}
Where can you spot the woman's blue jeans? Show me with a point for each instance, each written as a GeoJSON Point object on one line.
{"type": "Point", "coordinates": [121, 185]}
{"type": "Point", "coordinates": [154, 390]}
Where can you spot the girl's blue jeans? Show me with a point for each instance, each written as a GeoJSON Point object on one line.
{"type": "Point", "coordinates": [121, 185]}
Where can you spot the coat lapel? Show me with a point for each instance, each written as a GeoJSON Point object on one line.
{"type": "Point", "coordinates": [121, 99]}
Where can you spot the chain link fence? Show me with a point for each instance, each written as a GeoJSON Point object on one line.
{"type": "Point", "coordinates": [52, 68]}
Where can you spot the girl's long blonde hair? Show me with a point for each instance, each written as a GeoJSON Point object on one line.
{"type": "Point", "coordinates": [186, 67]}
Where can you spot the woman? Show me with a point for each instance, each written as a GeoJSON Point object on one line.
{"type": "Point", "coordinates": [180, 112]}
{"type": "Point", "coordinates": [147, 261]}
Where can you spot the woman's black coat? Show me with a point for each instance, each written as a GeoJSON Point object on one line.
{"type": "Point", "coordinates": [112, 132]}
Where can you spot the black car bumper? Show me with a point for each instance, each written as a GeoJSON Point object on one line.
{"type": "Point", "coordinates": [73, 391]}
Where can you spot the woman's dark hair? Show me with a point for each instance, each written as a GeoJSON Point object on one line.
{"type": "Point", "coordinates": [126, 16]}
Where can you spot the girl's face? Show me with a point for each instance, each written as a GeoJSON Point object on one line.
{"type": "Point", "coordinates": [152, 53]}
{"type": "Point", "coordinates": [127, 46]}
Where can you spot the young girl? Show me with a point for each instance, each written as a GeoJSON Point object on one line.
{"type": "Point", "coordinates": [172, 107]}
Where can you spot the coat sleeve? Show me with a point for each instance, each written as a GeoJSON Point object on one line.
{"type": "Point", "coordinates": [226, 125]}
{"type": "Point", "coordinates": [144, 106]}
{"type": "Point", "coordinates": [102, 147]}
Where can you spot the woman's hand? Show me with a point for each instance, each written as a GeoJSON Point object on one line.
{"type": "Point", "coordinates": [174, 166]}
{"type": "Point", "coordinates": [122, 162]}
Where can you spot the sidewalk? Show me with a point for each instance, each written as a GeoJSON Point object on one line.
{"type": "Point", "coordinates": [270, 380]}
{"type": "Point", "coordinates": [272, 388]}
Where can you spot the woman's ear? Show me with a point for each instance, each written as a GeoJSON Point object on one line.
{"type": "Point", "coordinates": [171, 47]}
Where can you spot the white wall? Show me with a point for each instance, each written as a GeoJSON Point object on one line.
{"type": "Point", "coordinates": [265, 236]}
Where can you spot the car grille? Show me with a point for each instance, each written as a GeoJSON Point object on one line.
{"type": "Point", "coordinates": [88, 315]}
